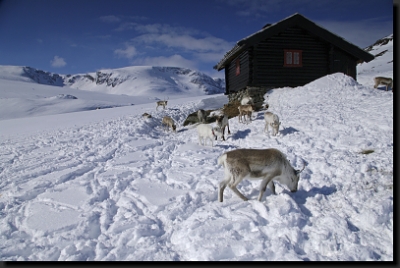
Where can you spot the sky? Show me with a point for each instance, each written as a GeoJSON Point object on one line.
{"type": "Point", "coordinates": [80, 36]}
{"type": "Point", "coordinates": [110, 185]}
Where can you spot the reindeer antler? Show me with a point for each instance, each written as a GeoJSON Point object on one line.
{"type": "Point", "coordinates": [304, 166]}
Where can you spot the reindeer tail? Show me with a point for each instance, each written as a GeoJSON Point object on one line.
{"type": "Point", "coordinates": [221, 160]}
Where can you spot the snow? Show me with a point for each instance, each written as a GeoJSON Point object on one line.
{"type": "Point", "coordinates": [380, 66]}
{"type": "Point", "coordinates": [108, 184]}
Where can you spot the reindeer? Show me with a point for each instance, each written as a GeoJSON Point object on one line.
{"type": "Point", "coordinates": [266, 164]}
{"type": "Point", "coordinates": [168, 122]}
{"type": "Point", "coordinates": [162, 103]}
{"type": "Point", "coordinates": [246, 100]}
{"type": "Point", "coordinates": [271, 120]}
{"type": "Point", "coordinates": [245, 110]}
{"type": "Point", "coordinates": [201, 115]}
{"type": "Point", "coordinates": [205, 132]}
{"type": "Point", "coordinates": [222, 122]}
{"type": "Point", "coordinates": [387, 81]}
{"type": "Point", "coordinates": [146, 115]}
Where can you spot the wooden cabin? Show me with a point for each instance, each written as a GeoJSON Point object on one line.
{"type": "Point", "coordinates": [291, 52]}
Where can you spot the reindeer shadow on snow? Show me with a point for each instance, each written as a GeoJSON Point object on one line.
{"type": "Point", "coordinates": [174, 109]}
{"type": "Point", "coordinates": [182, 130]}
{"type": "Point", "coordinates": [241, 134]}
{"type": "Point", "coordinates": [259, 116]}
{"type": "Point", "coordinates": [226, 146]}
{"type": "Point", "coordinates": [383, 88]}
{"type": "Point", "coordinates": [301, 196]}
{"type": "Point", "coordinates": [287, 131]}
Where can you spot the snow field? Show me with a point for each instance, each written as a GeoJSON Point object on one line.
{"type": "Point", "coordinates": [125, 189]}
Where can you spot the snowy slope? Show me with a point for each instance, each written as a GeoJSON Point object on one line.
{"type": "Point", "coordinates": [143, 80]}
{"type": "Point", "coordinates": [133, 81]}
{"type": "Point", "coordinates": [110, 185]}
{"type": "Point", "coordinates": [100, 90]}
{"type": "Point", "coordinates": [382, 65]}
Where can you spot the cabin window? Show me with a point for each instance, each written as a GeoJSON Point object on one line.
{"type": "Point", "coordinates": [293, 58]}
{"type": "Point", "coordinates": [237, 67]}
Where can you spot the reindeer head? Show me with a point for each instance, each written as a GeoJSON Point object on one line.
{"type": "Point", "coordinates": [295, 178]}
{"type": "Point", "coordinates": [219, 119]}
{"type": "Point", "coordinates": [216, 131]}
{"type": "Point", "coordinates": [275, 127]}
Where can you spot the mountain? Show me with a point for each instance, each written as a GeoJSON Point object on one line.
{"type": "Point", "coordinates": [382, 65]}
{"type": "Point", "coordinates": [28, 92]}
{"type": "Point", "coordinates": [133, 81]}
{"type": "Point", "coordinates": [379, 43]}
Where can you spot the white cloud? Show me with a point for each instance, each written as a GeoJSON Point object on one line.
{"type": "Point", "coordinates": [361, 33]}
{"type": "Point", "coordinates": [129, 52]}
{"type": "Point", "coordinates": [110, 19]}
{"type": "Point", "coordinates": [156, 37]}
{"type": "Point", "coordinates": [264, 9]}
{"type": "Point", "coordinates": [58, 62]}
{"type": "Point", "coordinates": [186, 42]}
{"type": "Point", "coordinates": [172, 61]}
{"type": "Point", "coordinates": [164, 29]}
{"type": "Point", "coordinates": [178, 42]}
{"type": "Point", "coordinates": [126, 26]}
{"type": "Point", "coordinates": [213, 57]}
{"type": "Point", "coordinates": [137, 17]}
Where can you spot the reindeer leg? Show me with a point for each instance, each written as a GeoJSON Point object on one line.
{"type": "Point", "coordinates": [229, 131]}
{"type": "Point", "coordinates": [271, 185]}
{"type": "Point", "coordinates": [222, 187]}
{"type": "Point", "coordinates": [264, 184]}
{"type": "Point", "coordinates": [236, 191]}
{"type": "Point", "coordinates": [223, 133]}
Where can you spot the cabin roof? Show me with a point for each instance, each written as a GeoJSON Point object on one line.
{"type": "Point", "coordinates": [299, 20]}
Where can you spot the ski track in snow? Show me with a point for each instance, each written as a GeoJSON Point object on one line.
{"type": "Point", "coordinates": [115, 171]}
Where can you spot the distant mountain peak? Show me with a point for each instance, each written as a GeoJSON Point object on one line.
{"type": "Point", "coordinates": [133, 80]}
{"type": "Point", "coordinates": [380, 42]}
{"type": "Point", "coordinates": [42, 77]}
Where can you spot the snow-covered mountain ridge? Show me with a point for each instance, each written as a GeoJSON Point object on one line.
{"type": "Point", "coordinates": [379, 43]}
{"type": "Point", "coordinates": [382, 65]}
{"type": "Point", "coordinates": [142, 80]}
{"type": "Point", "coordinates": [130, 80]}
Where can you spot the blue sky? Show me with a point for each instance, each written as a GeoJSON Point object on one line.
{"type": "Point", "coordinates": [80, 36]}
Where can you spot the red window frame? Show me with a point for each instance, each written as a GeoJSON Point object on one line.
{"type": "Point", "coordinates": [292, 58]}
{"type": "Point", "coordinates": [237, 67]}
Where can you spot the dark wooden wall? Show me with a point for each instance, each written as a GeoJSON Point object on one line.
{"type": "Point", "coordinates": [237, 82]}
{"type": "Point", "coordinates": [262, 63]}
{"type": "Point", "coordinates": [343, 62]}
{"type": "Point", "coordinates": [268, 59]}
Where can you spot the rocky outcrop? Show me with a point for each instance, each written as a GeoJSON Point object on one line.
{"type": "Point", "coordinates": [106, 78]}
{"type": "Point", "coordinates": [43, 77]}
{"type": "Point", "coordinates": [180, 79]}
{"type": "Point", "coordinates": [256, 93]}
